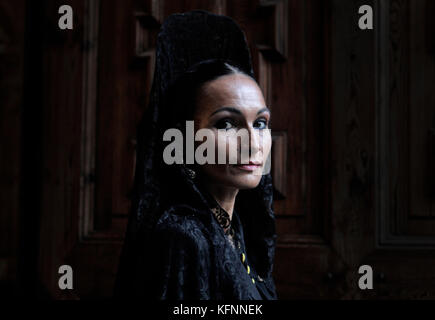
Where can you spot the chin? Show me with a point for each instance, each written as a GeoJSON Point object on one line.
{"type": "Point", "coordinates": [233, 178]}
{"type": "Point", "coordinates": [249, 181]}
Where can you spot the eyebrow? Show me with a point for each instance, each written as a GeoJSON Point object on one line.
{"type": "Point", "coordinates": [237, 111]}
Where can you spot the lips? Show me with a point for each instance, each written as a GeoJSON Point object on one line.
{"type": "Point", "coordinates": [251, 166]}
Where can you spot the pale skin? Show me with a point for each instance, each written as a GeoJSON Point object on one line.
{"type": "Point", "coordinates": [234, 101]}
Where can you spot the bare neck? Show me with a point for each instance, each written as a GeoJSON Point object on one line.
{"type": "Point", "coordinates": [225, 196]}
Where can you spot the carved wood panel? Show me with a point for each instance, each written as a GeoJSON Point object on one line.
{"type": "Point", "coordinates": [374, 146]}
{"type": "Point", "coordinates": [406, 119]}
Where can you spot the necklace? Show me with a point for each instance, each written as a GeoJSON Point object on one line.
{"type": "Point", "coordinates": [224, 220]}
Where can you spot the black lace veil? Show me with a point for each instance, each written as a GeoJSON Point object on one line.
{"type": "Point", "coordinates": [184, 40]}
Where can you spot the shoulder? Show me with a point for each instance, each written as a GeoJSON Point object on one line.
{"type": "Point", "coordinates": [181, 225]}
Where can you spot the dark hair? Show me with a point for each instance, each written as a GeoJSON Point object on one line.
{"type": "Point", "coordinates": [182, 94]}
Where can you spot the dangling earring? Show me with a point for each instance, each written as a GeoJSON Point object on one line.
{"type": "Point", "coordinates": [190, 173]}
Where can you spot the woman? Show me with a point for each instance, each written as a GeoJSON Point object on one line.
{"type": "Point", "coordinates": [202, 231]}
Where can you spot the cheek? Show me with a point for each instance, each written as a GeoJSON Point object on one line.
{"type": "Point", "coordinates": [226, 145]}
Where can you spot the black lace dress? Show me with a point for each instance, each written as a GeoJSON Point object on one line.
{"type": "Point", "coordinates": [195, 259]}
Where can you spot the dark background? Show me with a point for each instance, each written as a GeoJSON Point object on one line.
{"type": "Point", "coordinates": [353, 124]}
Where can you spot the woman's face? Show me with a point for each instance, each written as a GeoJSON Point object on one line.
{"type": "Point", "coordinates": [228, 105]}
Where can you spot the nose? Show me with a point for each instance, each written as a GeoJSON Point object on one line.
{"type": "Point", "coordinates": [250, 147]}
{"type": "Point", "coordinates": [254, 141]}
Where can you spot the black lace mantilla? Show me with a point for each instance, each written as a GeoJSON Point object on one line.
{"type": "Point", "coordinates": [174, 247]}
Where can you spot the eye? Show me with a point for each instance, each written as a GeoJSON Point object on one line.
{"type": "Point", "coordinates": [261, 124]}
{"type": "Point", "coordinates": [225, 124]}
